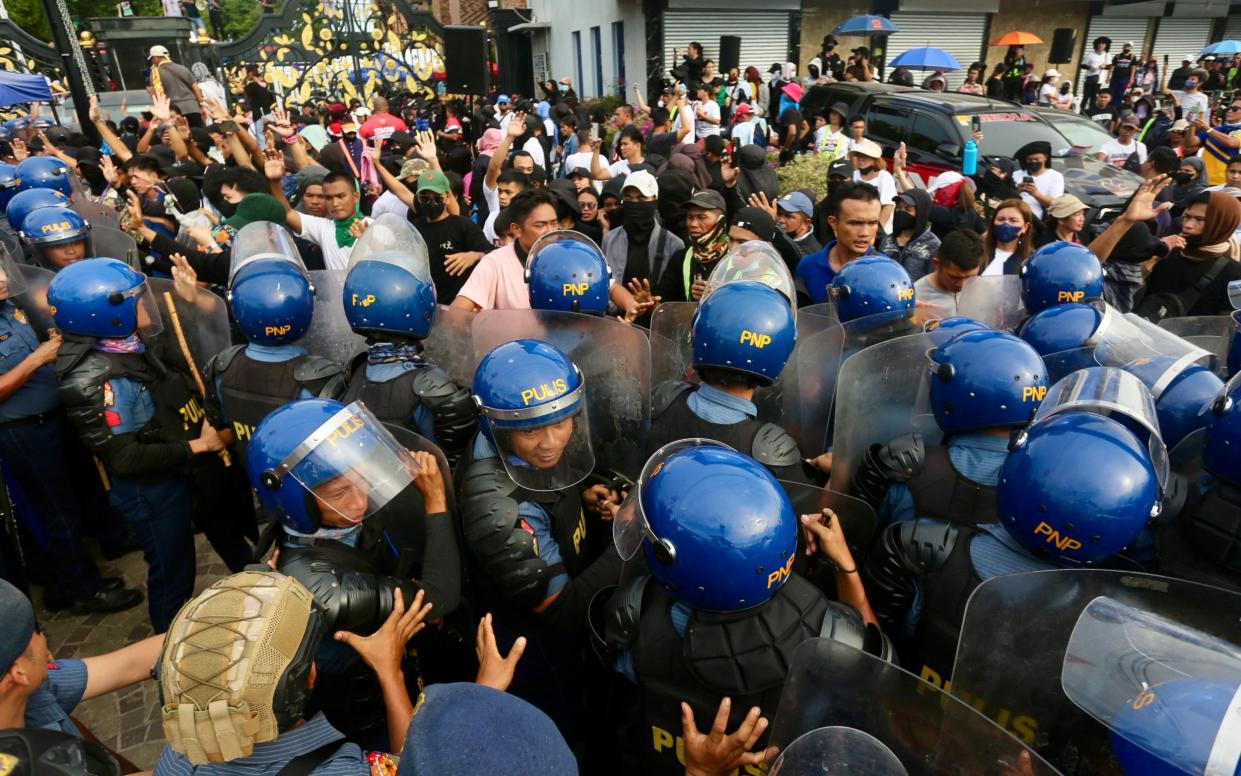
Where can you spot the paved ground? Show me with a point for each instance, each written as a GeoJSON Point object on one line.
{"type": "Point", "coordinates": [128, 721]}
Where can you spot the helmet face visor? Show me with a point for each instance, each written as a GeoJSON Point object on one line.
{"type": "Point", "coordinates": [351, 466]}
{"type": "Point", "coordinates": [549, 451]}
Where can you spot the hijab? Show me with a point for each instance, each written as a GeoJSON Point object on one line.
{"type": "Point", "coordinates": [1223, 217]}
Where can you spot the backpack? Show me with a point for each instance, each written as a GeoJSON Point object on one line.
{"type": "Point", "coordinates": [1156, 307]}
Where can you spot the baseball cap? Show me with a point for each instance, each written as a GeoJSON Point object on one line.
{"type": "Point", "coordinates": [796, 202]}
{"type": "Point", "coordinates": [19, 623]}
{"type": "Point", "coordinates": [1130, 121]}
{"type": "Point", "coordinates": [564, 190]}
{"type": "Point", "coordinates": [502, 99]}
{"type": "Point", "coordinates": [412, 167]}
{"type": "Point", "coordinates": [1051, 72]}
{"type": "Point", "coordinates": [1190, 58]}
{"type": "Point", "coordinates": [840, 168]}
{"type": "Point", "coordinates": [644, 182]}
{"type": "Point", "coordinates": [705, 199]}
{"type": "Point", "coordinates": [433, 181]}
{"type": "Point", "coordinates": [867, 148]}
{"type": "Point", "coordinates": [742, 110]}
{"type": "Point", "coordinates": [158, 51]}
{"type": "Point", "coordinates": [756, 220]}
{"type": "Point", "coordinates": [1065, 205]}
{"type": "Point", "coordinates": [1180, 125]}
{"type": "Point", "coordinates": [348, 126]}
{"type": "Point", "coordinates": [713, 144]}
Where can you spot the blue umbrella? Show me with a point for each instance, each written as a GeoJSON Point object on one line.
{"type": "Point", "coordinates": [927, 58]}
{"type": "Point", "coordinates": [866, 25]}
{"type": "Point", "coordinates": [1223, 47]}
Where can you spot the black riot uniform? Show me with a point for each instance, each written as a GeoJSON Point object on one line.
{"type": "Point", "coordinates": [418, 388]}
{"type": "Point", "coordinates": [1201, 540]}
{"type": "Point", "coordinates": [940, 491]}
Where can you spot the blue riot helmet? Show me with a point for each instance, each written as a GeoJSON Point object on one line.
{"type": "Point", "coordinates": [1062, 335]}
{"type": "Point", "coordinates": [718, 530]}
{"type": "Point", "coordinates": [8, 184]}
{"type": "Point", "coordinates": [43, 172]}
{"type": "Point", "coordinates": [50, 227]}
{"type": "Point", "coordinates": [1234, 345]}
{"type": "Point", "coordinates": [870, 286]}
{"type": "Point", "coordinates": [532, 399]}
{"type": "Point", "coordinates": [317, 463]}
{"type": "Point", "coordinates": [18, 124]}
{"type": "Point", "coordinates": [985, 379]}
{"type": "Point", "coordinates": [1058, 273]}
{"type": "Point", "coordinates": [1221, 453]}
{"type": "Point", "coordinates": [1180, 393]}
{"type": "Point", "coordinates": [566, 271]}
{"type": "Point", "coordinates": [43, 123]}
{"type": "Point", "coordinates": [388, 288]}
{"type": "Point", "coordinates": [272, 301]}
{"type": "Point", "coordinates": [103, 297]}
{"type": "Point", "coordinates": [944, 330]}
{"type": "Point", "coordinates": [1077, 488]}
{"type": "Point", "coordinates": [23, 203]}
{"type": "Point", "coordinates": [744, 326]}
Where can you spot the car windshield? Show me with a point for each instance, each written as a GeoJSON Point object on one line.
{"type": "Point", "coordinates": [1084, 134]}
{"type": "Point", "coordinates": [1004, 132]}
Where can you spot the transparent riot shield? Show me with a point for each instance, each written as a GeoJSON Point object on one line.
{"type": "Point", "coordinates": [615, 360]}
{"type": "Point", "coordinates": [1113, 393]}
{"type": "Point", "coordinates": [823, 310]}
{"type": "Point", "coordinates": [837, 750]}
{"type": "Point", "coordinates": [33, 300]}
{"type": "Point", "coordinates": [1168, 693]}
{"type": "Point", "coordinates": [450, 344]}
{"type": "Point", "coordinates": [883, 392]}
{"type": "Point", "coordinates": [260, 240]}
{"type": "Point", "coordinates": [757, 261]}
{"type": "Point", "coordinates": [814, 369]}
{"type": "Point", "coordinates": [1232, 356]}
{"type": "Point", "coordinates": [95, 213]}
{"type": "Point", "coordinates": [112, 243]}
{"type": "Point", "coordinates": [329, 334]}
{"type": "Point", "coordinates": [1212, 333]}
{"type": "Point", "coordinates": [1066, 362]}
{"type": "Point", "coordinates": [1015, 635]}
{"type": "Point", "coordinates": [12, 245]}
{"type": "Point", "coordinates": [929, 731]}
{"type": "Point", "coordinates": [672, 348]}
{"type": "Point", "coordinates": [862, 333]}
{"type": "Point", "coordinates": [994, 300]}
{"type": "Point", "coordinates": [857, 518]}
{"type": "Point", "coordinates": [203, 319]}
{"type": "Point", "coordinates": [417, 443]}
{"type": "Point", "coordinates": [1123, 339]}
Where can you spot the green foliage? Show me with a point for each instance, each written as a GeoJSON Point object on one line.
{"type": "Point", "coordinates": [805, 172]}
{"type": "Point", "coordinates": [239, 17]}
{"type": "Point", "coordinates": [30, 16]}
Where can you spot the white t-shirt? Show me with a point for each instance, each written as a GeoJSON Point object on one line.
{"type": "Point", "coordinates": [1117, 154]}
{"type": "Point", "coordinates": [925, 290]}
{"type": "Point", "coordinates": [489, 226]}
{"type": "Point", "coordinates": [676, 122]}
{"type": "Point", "coordinates": [579, 159]}
{"type": "Point", "coordinates": [884, 182]}
{"type": "Point", "coordinates": [996, 267]}
{"type": "Point", "coordinates": [535, 149]}
{"type": "Point", "coordinates": [1050, 184]}
{"type": "Point", "coordinates": [704, 128]}
{"type": "Point", "coordinates": [389, 203]}
{"type": "Point", "coordinates": [1049, 93]}
{"type": "Point", "coordinates": [322, 232]}
{"type": "Point", "coordinates": [1094, 62]}
{"type": "Point", "coordinates": [1196, 104]}
{"type": "Point", "coordinates": [835, 144]}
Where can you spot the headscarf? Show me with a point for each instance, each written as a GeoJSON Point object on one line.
{"type": "Point", "coordinates": [1223, 217]}
{"type": "Point", "coordinates": [490, 141]}
{"type": "Point", "coordinates": [201, 72]}
{"type": "Point", "coordinates": [789, 71]}
{"type": "Point", "coordinates": [688, 158]}
{"type": "Point", "coordinates": [309, 176]}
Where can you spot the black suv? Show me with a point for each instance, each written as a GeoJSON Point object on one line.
{"type": "Point", "coordinates": [935, 126]}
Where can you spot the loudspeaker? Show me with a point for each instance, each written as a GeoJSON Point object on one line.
{"type": "Point", "coordinates": [730, 53]}
{"type": "Point", "coordinates": [1062, 46]}
{"type": "Point", "coordinates": [465, 59]}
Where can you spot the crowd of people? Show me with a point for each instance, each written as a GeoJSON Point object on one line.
{"type": "Point", "coordinates": [538, 438]}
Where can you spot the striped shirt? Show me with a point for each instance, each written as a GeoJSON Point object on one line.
{"type": "Point", "coordinates": [267, 759]}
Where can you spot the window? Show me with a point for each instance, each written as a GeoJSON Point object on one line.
{"type": "Point", "coordinates": [618, 57]}
{"type": "Point", "coordinates": [927, 134]}
{"type": "Point", "coordinates": [596, 44]}
{"type": "Point", "coordinates": [577, 58]}
{"type": "Point", "coordinates": [886, 124]}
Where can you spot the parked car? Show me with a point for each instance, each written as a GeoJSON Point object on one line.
{"type": "Point", "coordinates": [1087, 136]}
{"type": "Point", "coordinates": [934, 126]}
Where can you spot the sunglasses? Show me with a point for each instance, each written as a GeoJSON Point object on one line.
{"type": "Point", "coordinates": [1234, 107]}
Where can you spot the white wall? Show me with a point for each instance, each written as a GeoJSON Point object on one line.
{"type": "Point", "coordinates": [569, 16]}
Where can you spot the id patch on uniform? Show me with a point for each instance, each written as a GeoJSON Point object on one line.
{"type": "Point", "coordinates": [111, 417]}
{"type": "Point", "coordinates": [18, 315]}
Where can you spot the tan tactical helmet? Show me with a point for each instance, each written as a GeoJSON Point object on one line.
{"type": "Point", "coordinates": [235, 663]}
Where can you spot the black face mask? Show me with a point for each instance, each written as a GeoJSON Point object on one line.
{"type": "Point", "coordinates": [902, 221]}
{"type": "Point", "coordinates": [639, 217]}
{"type": "Point", "coordinates": [430, 209]}
{"type": "Point", "coordinates": [1032, 167]}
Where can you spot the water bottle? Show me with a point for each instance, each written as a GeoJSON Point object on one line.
{"type": "Point", "coordinates": [969, 160]}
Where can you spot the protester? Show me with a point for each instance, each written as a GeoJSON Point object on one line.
{"type": "Point", "coordinates": [957, 259]}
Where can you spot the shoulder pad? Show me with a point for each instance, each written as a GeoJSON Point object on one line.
{"type": "Point", "coordinates": [72, 350]}
{"type": "Point", "coordinates": [622, 613]}
{"type": "Point", "coordinates": [357, 362]}
{"type": "Point", "coordinates": [506, 552]}
{"type": "Point", "coordinates": [221, 361]}
{"type": "Point", "coordinates": [82, 382]}
{"type": "Point", "coordinates": [665, 394]}
{"type": "Point", "coordinates": [924, 545]}
{"type": "Point", "coordinates": [431, 383]}
{"type": "Point", "coordinates": [774, 447]}
{"type": "Point", "coordinates": [311, 367]}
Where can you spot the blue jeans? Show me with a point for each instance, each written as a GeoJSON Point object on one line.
{"type": "Point", "coordinates": [44, 458]}
{"type": "Point", "coordinates": [160, 516]}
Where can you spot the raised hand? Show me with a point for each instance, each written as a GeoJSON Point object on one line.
{"type": "Point", "coordinates": [93, 110]}
{"type": "Point", "coordinates": [19, 149]}
{"type": "Point", "coordinates": [108, 169]}
{"type": "Point", "coordinates": [717, 753]}
{"type": "Point", "coordinates": [161, 108]}
{"type": "Point", "coordinates": [424, 146]}
{"type": "Point", "coordinates": [517, 125]}
{"type": "Point", "coordinates": [273, 163]}
{"type": "Point", "coordinates": [1142, 207]}
{"type": "Point", "coordinates": [495, 670]}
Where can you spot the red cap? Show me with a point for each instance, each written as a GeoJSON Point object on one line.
{"type": "Point", "coordinates": [742, 109]}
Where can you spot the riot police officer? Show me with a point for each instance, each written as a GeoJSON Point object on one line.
{"type": "Point", "coordinates": [23, 203]}
{"type": "Point", "coordinates": [566, 271]}
{"type": "Point", "coordinates": [529, 539]}
{"type": "Point", "coordinates": [1060, 273]}
{"type": "Point", "coordinates": [8, 187]}
{"type": "Point", "coordinates": [1079, 485]}
{"type": "Point", "coordinates": [56, 236]}
{"type": "Point", "coordinates": [41, 452]}
{"type": "Point", "coordinates": [353, 530]}
{"type": "Point", "coordinates": [272, 302]}
{"type": "Point", "coordinates": [389, 298]}
{"type": "Point", "coordinates": [43, 172]}
{"type": "Point", "coordinates": [720, 618]}
{"type": "Point", "coordinates": [743, 333]}
{"type": "Point", "coordinates": [983, 385]}
{"type": "Point", "coordinates": [136, 413]}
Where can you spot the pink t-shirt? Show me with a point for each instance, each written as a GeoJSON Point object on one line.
{"type": "Point", "coordinates": [498, 282]}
